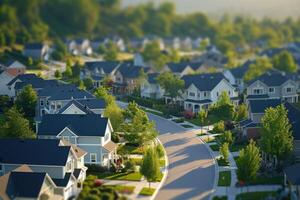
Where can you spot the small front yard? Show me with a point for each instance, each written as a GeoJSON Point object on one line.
{"type": "Point", "coordinates": [138, 161]}
{"type": "Point", "coordinates": [255, 195]}
{"type": "Point", "coordinates": [130, 149]}
{"type": "Point", "coordinates": [147, 191]}
{"type": "Point", "coordinates": [264, 180]}
{"type": "Point", "coordinates": [123, 189]}
{"type": "Point", "coordinates": [237, 146]}
{"type": "Point", "coordinates": [214, 147]}
{"type": "Point", "coordinates": [224, 178]}
{"type": "Point", "coordinates": [186, 126]}
{"type": "Point", "coordinates": [128, 176]}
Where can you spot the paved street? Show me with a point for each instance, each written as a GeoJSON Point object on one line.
{"type": "Point", "coordinates": [191, 168]}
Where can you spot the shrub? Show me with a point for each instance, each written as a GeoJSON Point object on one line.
{"type": "Point", "coordinates": [160, 150]}
{"type": "Point", "coordinates": [188, 114]}
{"type": "Point", "coordinates": [129, 165]}
{"type": "Point", "coordinates": [115, 137]}
{"type": "Point", "coordinates": [227, 137]}
{"type": "Point", "coordinates": [219, 127]}
{"type": "Point", "coordinates": [96, 168]}
{"type": "Point", "coordinates": [224, 151]}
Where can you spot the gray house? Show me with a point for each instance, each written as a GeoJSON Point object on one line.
{"type": "Point", "coordinates": [90, 132]}
{"type": "Point", "coordinates": [273, 84]}
{"type": "Point", "coordinates": [38, 51]}
{"type": "Point", "coordinates": [62, 162]}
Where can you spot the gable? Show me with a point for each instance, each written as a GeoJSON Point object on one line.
{"type": "Point", "coordinates": [73, 109]}
{"type": "Point", "coordinates": [16, 64]}
{"type": "Point", "coordinates": [66, 132]}
{"type": "Point", "coordinates": [257, 83]}
{"type": "Point", "coordinates": [223, 84]}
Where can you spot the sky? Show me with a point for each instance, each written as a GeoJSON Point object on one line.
{"type": "Point", "coordinates": [257, 8]}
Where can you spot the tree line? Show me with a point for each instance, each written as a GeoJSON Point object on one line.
{"type": "Point", "coordinates": [38, 20]}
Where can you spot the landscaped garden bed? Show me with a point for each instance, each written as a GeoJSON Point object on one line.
{"type": "Point", "coordinates": [128, 176]}
{"type": "Point", "coordinates": [222, 162]}
{"type": "Point", "coordinates": [255, 195]}
{"type": "Point", "coordinates": [130, 149]}
{"type": "Point", "coordinates": [219, 198]}
{"type": "Point", "coordinates": [179, 120]}
{"type": "Point", "coordinates": [147, 191]}
{"type": "Point", "coordinates": [214, 147]}
{"type": "Point", "coordinates": [224, 178]}
{"type": "Point", "coordinates": [123, 189]}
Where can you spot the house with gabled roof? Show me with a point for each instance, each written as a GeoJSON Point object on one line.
{"type": "Point", "coordinates": [13, 67]}
{"type": "Point", "coordinates": [37, 51]}
{"type": "Point", "coordinates": [203, 90]}
{"type": "Point", "coordinates": [89, 132]}
{"type": "Point", "coordinates": [41, 185]}
{"type": "Point", "coordinates": [79, 46]}
{"type": "Point", "coordinates": [63, 163]}
{"type": "Point", "coordinates": [180, 69]}
{"type": "Point", "coordinates": [84, 106]}
{"type": "Point", "coordinates": [273, 84]}
{"type": "Point", "coordinates": [151, 88]}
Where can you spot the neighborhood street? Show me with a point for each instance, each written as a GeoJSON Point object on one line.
{"type": "Point", "coordinates": [191, 168]}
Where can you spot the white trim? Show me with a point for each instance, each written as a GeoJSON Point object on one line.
{"type": "Point", "coordinates": [66, 128]}
{"type": "Point", "coordinates": [93, 154]}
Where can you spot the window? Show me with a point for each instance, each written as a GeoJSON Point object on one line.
{"type": "Point", "coordinates": [217, 94]}
{"type": "Point", "coordinates": [58, 106]}
{"type": "Point", "coordinates": [41, 102]}
{"type": "Point", "coordinates": [204, 94]}
{"type": "Point", "coordinates": [106, 137]}
{"type": "Point", "coordinates": [93, 158]}
{"type": "Point", "coordinates": [229, 93]}
{"type": "Point", "coordinates": [66, 138]}
{"type": "Point", "coordinates": [192, 94]}
{"type": "Point", "coordinates": [1, 167]}
{"type": "Point", "coordinates": [288, 90]}
{"type": "Point", "coordinates": [271, 90]}
{"type": "Point", "coordinates": [257, 91]}
{"type": "Point", "coordinates": [69, 166]}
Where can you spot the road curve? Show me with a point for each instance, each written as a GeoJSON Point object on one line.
{"type": "Point", "coordinates": [191, 172]}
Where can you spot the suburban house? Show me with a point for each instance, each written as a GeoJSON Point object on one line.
{"type": "Point", "coordinates": [292, 180]}
{"type": "Point", "coordinates": [41, 185]}
{"type": "Point", "coordinates": [17, 83]}
{"type": "Point", "coordinates": [273, 84]}
{"type": "Point", "coordinates": [97, 70]}
{"type": "Point", "coordinates": [13, 67]}
{"type": "Point", "coordinates": [203, 90]}
{"type": "Point", "coordinates": [62, 162]}
{"type": "Point", "coordinates": [180, 69]}
{"type": "Point", "coordinates": [53, 98]}
{"type": "Point", "coordinates": [172, 42]}
{"type": "Point", "coordinates": [37, 51]}
{"type": "Point", "coordinates": [138, 43]}
{"type": "Point", "coordinates": [212, 59]}
{"type": "Point", "coordinates": [186, 43]}
{"type": "Point", "coordinates": [126, 78]}
{"type": "Point", "coordinates": [151, 88]}
{"type": "Point", "coordinates": [236, 75]}
{"type": "Point", "coordinates": [79, 46]}
{"type": "Point", "coordinates": [89, 132]}
{"type": "Point", "coordinates": [250, 128]}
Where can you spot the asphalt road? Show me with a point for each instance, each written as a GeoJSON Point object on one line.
{"type": "Point", "coordinates": [191, 168]}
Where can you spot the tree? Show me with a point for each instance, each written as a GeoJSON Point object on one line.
{"type": "Point", "coordinates": [88, 83]}
{"type": "Point", "coordinates": [15, 125]}
{"type": "Point", "coordinates": [160, 150]}
{"type": "Point", "coordinates": [276, 137]}
{"type": "Point", "coordinates": [68, 72]}
{"type": "Point", "coordinates": [150, 165]}
{"type": "Point", "coordinates": [115, 115]}
{"type": "Point", "coordinates": [226, 137]}
{"type": "Point", "coordinates": [57, 74]}
{"type": "Point", "coordinates": [81, 85]}
{"type": "Point", "coordinates": [241, 113]}
{"type": "Point", "coordinates": [172, 84]}
{"type": "Point", "coordinates": [284, 61]}
{"type": "Point", "coordinates": [223, 108]}
{"type": "Point", "coordinates": [101, 92]}
{"type": "Point", "coordinates": [256, 69]}
{"type": "Point", "coordinates": [202, 116]}
{"type": "Point", "coordinates": [219, 127]}
{"type": "Point", "coordinates": [248, 162]}
{"type": "Point", "coordinates": [26, 101]}
{"type": "Point", "coordinates": [174, 56]}
{"type": "Point", "coordinates": [203, 44]}
{"type": "Point", "coordinates": [111, 52]}
{"type": "Point", "coordinates": [224, 151]}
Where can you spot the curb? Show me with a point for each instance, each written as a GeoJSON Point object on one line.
{"type": "Point", "coordinates": [165, 174]}
{"type": "Point", "coordinates": [216, 166]}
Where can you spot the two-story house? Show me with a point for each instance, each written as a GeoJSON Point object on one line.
{"type": "Point", "coordinates": [89, 132]}
{"type": "Point", "coordinates": [180, 69]}
{"type": "Point", "coordinates": [41, 185]}
{"type": "Point", "coordinates": [97, 70]}
{"type": "Point", "coordinates": [203, 90]}
{"type": "Point", "coordinates": [172, 42]}
{"type": "Point", "coordinates": [274, 85]}
{"type": "Point", "coordinates": [63, 163]}
{"type": "Point", "coordinates": [79, 46]}
{"type": "Point", "coordinates": [37, 51]}
{"type": "Point", "coordinates": [151, 88]}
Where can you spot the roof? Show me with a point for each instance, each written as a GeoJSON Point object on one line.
{"type": "Point", "coordinates": [259, 106]}
{"type": "Point", "coordinates": [76, 173]}
{"type": "Point", "coordinates": [205, 101]}
{"type": "Point", "coordinates": [292, 174]}
{"type": "Point", "coordinates": [273, 78]}
{"type": "Point", "coordinates": [34, 46]}
{"type": "Point", "coordinates": [92, 103]}
{"type": "Point", "coordinates": [36, 83]}
{"type": "Point", "coordinates": [83, 108]}
{"type": "Point", "coordinates": [24, 77]}
{"type": "Point", "coordinates": [81, 125]}
{"type": "Point", "coordinates": [239, 72]}
{"type": "Point", "coordinates": [294, 118]}
{"type": "Point", "coordinates": [178, 67]}
{"type": "Point", "coordinates": [62, 182]}
{"type": "Point", "coordinates": [65, 92]}
{"type": "Point", "coordinates": [152, 78]}
{"type": "Point", "coordinates": [106, 66]}
{"type": "Point", "coordinates": [110, 146]}
{"type": "Point", "coordinates": [258, 96]}
{"type": "Point", "coordinates": [17, 187]}
{"type": "Point", "coordinates": [204, 82]}
{"type": "Point", "coordinates": [33, 152]}
{"type": "Point", "coordinates": [129, 70]}
{"type": "Point", "coordinates": [78, 151]}
{"type": "Point", "coordinates": [245, 122]}
{"type": "Point", "coordinates": [10, 63]}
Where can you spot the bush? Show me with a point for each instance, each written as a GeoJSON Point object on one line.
{"type": "Point", "coordinates": [219, 127]}
{"type": "Point", "coordinates": [129, 165]}
{"type": "Point", "coordinates": [96, 168]}
{"type": "Point", "coordinates": [160, 150]}
{"type": "Point", "coordinates": [227, 137]}
{"type": "Point", "coordinates": [188, 114]}
{"type": "Point", "coordinates": [115, 137]}
{"type": "Point", "coordinates": [149, 103]}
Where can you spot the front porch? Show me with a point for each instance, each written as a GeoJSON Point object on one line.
{"type": "Point", "coordinates": [196, 106]}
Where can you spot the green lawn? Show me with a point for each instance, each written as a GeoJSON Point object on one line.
{"type": "Point", "coordinates": [224, 178]}
{"type": "Point", "coordinates": [263, 180]}
{"type": "Point", "coordinates": [122, 188]}
{"type": "Point", "coordinates": [129, 176]}
{"type": "Point", "coordinates": [147, 191]}
{"type": "Point", "coordinates": [215, 147]}
{"type": "Point", "coordinates": [179, 120]}
{"type": "Point", "coordinates": [138, 161]}
{"type": "Point", "coordinates": [255, 195]}
{"type": "Point", "coordinates": [222, 162]}
{"type": "Point", "coordinates": [127, 149]}
{"type": "Point", "coordinates": [211, 119]}
{"type": "Point", "coordinates": [219, 198]}
{"type": "Point", "coordinates": [186, 126]}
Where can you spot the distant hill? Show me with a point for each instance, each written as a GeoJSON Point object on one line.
{"type": "Point", "coordinates": [278, 9]}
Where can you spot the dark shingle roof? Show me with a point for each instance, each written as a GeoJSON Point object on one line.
{"type": "Point", "coordinates": [239, 72]}
{"type": "Point", "coordinates": [258, 96]}
{"type": "Point", "coordinates": [62, 182]}
{"type": "Point", "coordinates": [25, 184]}
{"type": "Point", "coordinates": [245, 122]}
{"type": "Point", "coordinates": [292, 174]}
{"type": "Point", "coordinates": [272, 78]}
{"type": "Point", "coordinates": [78, 105]}
{"type": "Point", "coordinates": [24, 77]}
{"type": "Point", "coordinates": [178, 67]}
{"type": "Point", "coordinates": [81, 125]}
{"type": "Point", "coordinates": [34, 46]}
{"type": "Point", "coordinates": [33, 152]}
{"type": "Point", "coordinates": [36, 83]}
{"type": "Point", "coordinates": [129, 70]}
{"type": "Point", "coordinates": [152, 78]}
{"type": "Point", "coordinates": [86, 105]}
{"type": "Point", "coordinates": [106, 66]}
{"type": "Point", "coordinates": [294, 118]}
{"type": "Point", "coordinates": [259, 106]}
{"type": "Point", "coordinates": [204, 82]}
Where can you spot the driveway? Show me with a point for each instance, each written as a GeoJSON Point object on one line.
{"type": "Point", "coordinates": [191, 168]}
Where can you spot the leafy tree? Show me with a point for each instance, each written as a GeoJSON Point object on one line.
{"type": "Point", "coordinates": [68, 72]}
{"type": "Point", "coordinates": [224, 151]}
{"type": "Point", "coordinates": [219, 127]}
{"type": "Point", "coordinates": [172, 84]}
{"type": "Point", "coordinates": [76, 70]}
{"type": "Point", "coordinates": [202, 116]}
{"type": "Point", "coordinates": [174, 56]}
{"type": "Point", "coordinates": [223, 108]}
{"type": "Point", "coordinates": [111, 52]}
{"type": "Point", "coordinates": [284, 61]}
{"type": "Point", "coordinates": [57, 74]}
{"type": "Point", "coordinates": [160, 150]}
{"type": "Point", "coordinates": [276, 137]}
{"type": "Point", "coordinates": [81, 85]}
{"type": "Point", "coordinates": [26, 101]}
{"type": "Point", "coordinates": [258, 68]}
{"type": "Point", "coordinates": [102, 92]}
{"type": "Point", "coordinates": [114, 113]}
{"type": "Point", "coordinates": [248, 162]}
{"type": "Point", "coordinates": [226, 137]}
{"type": "Point", "coordinates": [203, 44]}
{"type": "Point", "coordinates": [88, 83]}
{"type": "Point", "coordinates": [15, 126]}
{"type": "Point", "coordinates": [150, 165]}
{"type": "Point", "coordinates": [241, 113]}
